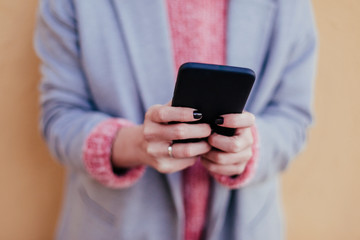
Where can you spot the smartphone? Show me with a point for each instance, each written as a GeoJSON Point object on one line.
{"type": "Point", "coordinates": [213, 90]}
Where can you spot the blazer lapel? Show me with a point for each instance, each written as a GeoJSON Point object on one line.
{"type": "Point", "coordinates": [175, 184]}
{"type": "Point", "coordinates": [248, 35]}
{"type": "Point", "coordinates": [147, 35]}
{"type": "Point", "coordinates": [217, 210]}
{"type": "Point", "coordinates": [248, 32]}
{"type": "Point", "coordinates": [144, 25]}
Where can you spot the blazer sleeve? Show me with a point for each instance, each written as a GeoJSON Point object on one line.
{"type": "Point", "coordinates": [282, 125]}
{"type": "Point", "coordinates": [69, 117]}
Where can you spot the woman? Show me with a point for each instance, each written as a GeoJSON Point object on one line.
{"type": "Point", "coordinates": [108, 74]}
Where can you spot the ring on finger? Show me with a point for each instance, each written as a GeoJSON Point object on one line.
{"type": "Point", "coordinates": [170, 151]}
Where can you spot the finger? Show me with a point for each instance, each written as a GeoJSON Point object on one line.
{"type": "Point", "coordinates": [227, 170]}
{"type": "Point", "coordinates": [154, 131]}
{"type": "Point", "coordinates": [158, 149]}
{"type": "Point", "coordinates": [236, 120]}
{"type": "Point", "coordinates": [170, 165]}
{"type": "Point", "coordinates": [179, 150]}
{"type": "Point", "coordinates": [222, 158]}
{"type": "Point", "coordinates": [232, 144]}
{"type": "Point", "coordinates": [165, 114]}
{"type": "Point", "coordinates": [186, 150]}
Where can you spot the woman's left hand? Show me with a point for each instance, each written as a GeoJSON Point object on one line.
{"type": "Point", "coordinates": [230, 155]}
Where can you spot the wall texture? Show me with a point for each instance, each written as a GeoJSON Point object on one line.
{"type": "Point", "coordinates": [30, 182]}
{"type": "Point", "coordinates": [321, 189]}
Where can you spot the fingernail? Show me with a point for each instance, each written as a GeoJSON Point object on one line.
{"type": "Point", "coordinates": [219, 120]}
{"type": "Point", "coordinates": [197, 114]}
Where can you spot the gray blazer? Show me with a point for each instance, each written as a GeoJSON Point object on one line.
{"type": "Point", "coordinates": [113, 58]}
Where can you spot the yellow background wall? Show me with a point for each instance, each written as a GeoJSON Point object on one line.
{"type": "Point", "coordinates": [321, 189]}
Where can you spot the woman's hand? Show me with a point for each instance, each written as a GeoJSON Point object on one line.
{"type": "Point", "coordinates": [230, 155]}
{"type": "Point", "coordinates": [148, 143]}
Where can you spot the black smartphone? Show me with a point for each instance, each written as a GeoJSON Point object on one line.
{"type": "Point", "coordinates": [214, 90]}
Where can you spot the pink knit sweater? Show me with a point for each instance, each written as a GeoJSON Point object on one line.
{"type": "Point", "coordinates": [198, 35]}
{"type": "Point", "coordinates": [198, 29]}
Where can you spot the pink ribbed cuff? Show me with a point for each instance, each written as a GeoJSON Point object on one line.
{"type": "Point", "coordinates": [97, 155]}
{"type": "Point", "coordinates": [244, 178]}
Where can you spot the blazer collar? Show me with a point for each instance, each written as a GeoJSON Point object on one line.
{"type": "Point", "coordinates": [145, 28]}
{"type": "Point", "coordinates": [146, 32]}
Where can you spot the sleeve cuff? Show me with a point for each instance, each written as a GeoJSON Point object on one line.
{"type": "Point", "coordinates": [242, 179]}
{"type": "Point", "coordinates": [97, 155]}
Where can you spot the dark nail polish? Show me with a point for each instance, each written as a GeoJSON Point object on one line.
{"type": "Point", "coordinates": [197, 114]}
{"type": "Point", "coordinates": [219, 120]}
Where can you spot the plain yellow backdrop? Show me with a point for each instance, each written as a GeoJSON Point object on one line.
{"type": "Point", "coordinates": [321, 188]}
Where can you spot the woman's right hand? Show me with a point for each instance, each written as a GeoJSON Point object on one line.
{"type": "Point", "coordinates": [148, 143]}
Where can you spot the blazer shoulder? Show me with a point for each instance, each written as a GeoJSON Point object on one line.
{"type": "Point", "coordinates": [297, 16]}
